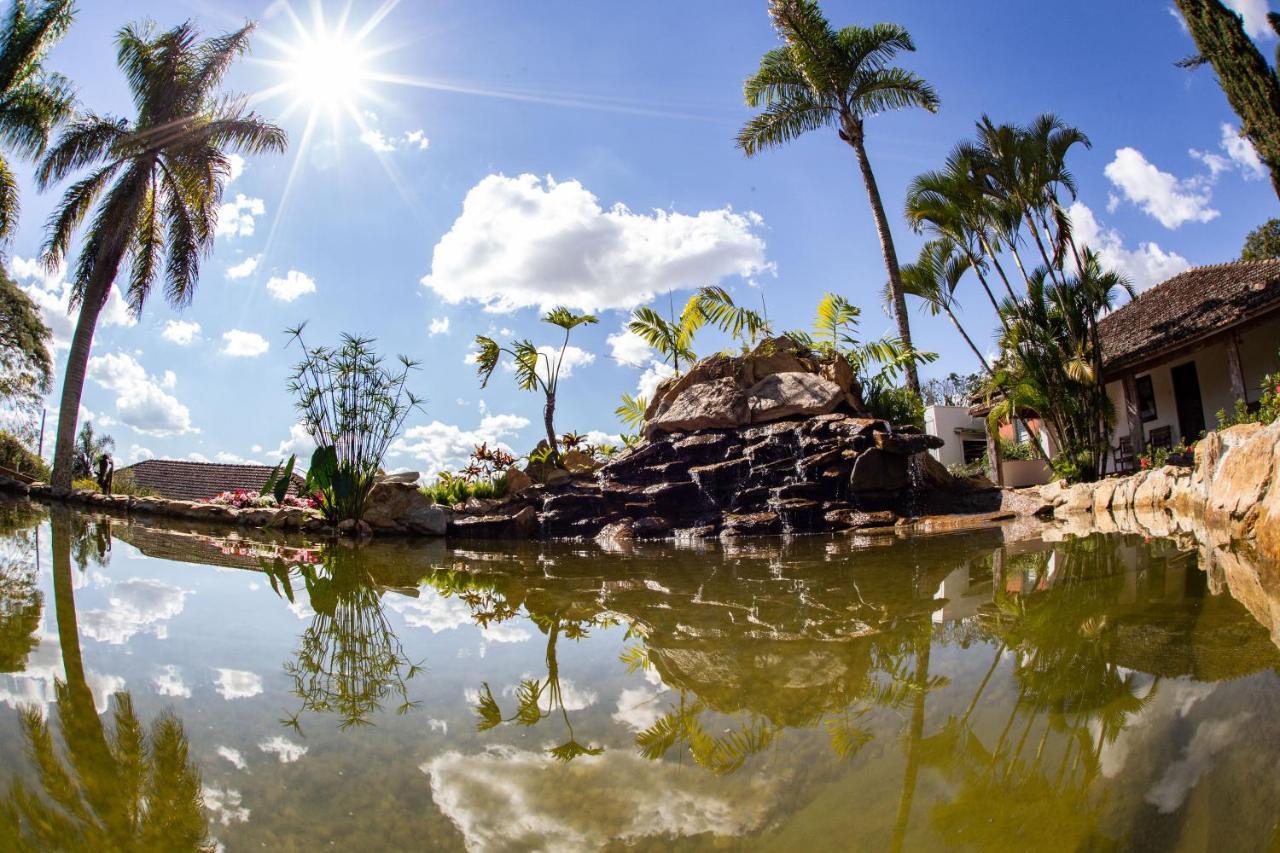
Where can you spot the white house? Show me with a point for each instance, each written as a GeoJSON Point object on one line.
{"type": "Point", "coordinates": [964, 434]}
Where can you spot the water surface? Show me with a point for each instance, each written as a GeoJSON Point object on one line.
{"type": "Point", "coordinates": [949, 692]}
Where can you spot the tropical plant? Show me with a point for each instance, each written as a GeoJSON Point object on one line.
{"type": "Point", "coordinates": [353, 407]}
{"type": "Point", "coordinates": [1266, 412]}
{"type": "Point", "coordinates": [1250, 84]}
{"type": "Point", "coordinates": [671, 339]}
{"type": "Point", "coordinates": [280, 479]}
{"type": "Point", "coordinates": [450, 489]}
{"type": "Point", "coordinates": [16, 456]}
{"type": "Point", "coordinates": [713, 306]}
{"type": "Point", "coordinates": [26, 366]}
{"type": "Point", "coordinates": [820, 78]}
{"type": "Point", "coordinates": [1263, 242]}
{"type": "Point", "coordinates": [153, 190]}
{"type": "Point", "coordinates": [933, 279]}
{"type": "Point", "coordinates": [631, 410]}
{"type": "Point", "coordinates": [32, 99]}
{"type": "Point", "coordinates": [90, 447]}
{"type": "Point", "coordinates": [536, 368]}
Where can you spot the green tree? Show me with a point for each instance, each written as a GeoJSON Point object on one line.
{"type": "Point", "coordinates": [821, 78]}
{"type": "Point", "coordinates": [1263, 242]}
{"type": "Point", "coordinates": [89, 447]}
{"type": "Point", "coordinates": [535, 368]}
{"type": "Point", "coordinates": [26, 367]}
{"type": "Point", "coordinates": [32, 100]}
{"type": "Point", "coordinates": [1250, 84]}
{"type": "Point", "coordinates": [154, 186]}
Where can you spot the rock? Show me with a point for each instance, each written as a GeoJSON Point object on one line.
{"type": "Point", "coordinates": [756, 367]}
{"type": "Point", "coordinates": [750, 524]}
{"type": "Point", "coordinates": [618, 532]}
{"type": "Point", "coordinates": [785, 395]}
{"type": "Point", "coordinates": [517, 481]}
{"type": "Point", "coordinates": [1102, 496]}
{"type": "Point", "coordinates": [290, 518]}
{"type": "Point", "coordinates": [1079, 498]}
{"type": "Point", "coordinates": [8, 484]}
{"type": "Point", "coordinates": [1054, 492]}
{"type": "Point", "coordinates": [1247, 468]}
{"type": "Point", "coordinates": [390, 504]}
{"type": "Point", "coordinates": [651, 527]}
{"type": "Point", "coordinates": [555, 476]}
{"type": "Point", "coordinates": [521, 525]}
{"type": "Point", "coordinates": [905, 444]}
{"type": "Point", "coordinates": [427, 520]}
{"type": "Point", "coordinates": [798, 514]}
{"type": "Point", "coordinates": [876, 470]}
{"type": "Point", "coordinates": [707, 370]}
{"type": "Point", "coordinates": [479, 506]}
{"type": "Point", "coordinates": [354, 528]}
{"type": "Point", "coordinates": [578, 462]}
{"type": "Point", "coordinates": [852, 519]}
{"type": "Point", "coordinates": [409, 477]}
{"type": "Point", "coordinates": [252, 517]}
{"type": "Point", "coordinates": [719, 403]}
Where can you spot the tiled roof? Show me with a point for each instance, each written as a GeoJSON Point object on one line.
{"type": "Point", "coordinates": [196, 481]}
{"type": "Point", "coordinates": [1188, 307]}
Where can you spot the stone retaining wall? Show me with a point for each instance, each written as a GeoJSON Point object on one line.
{"type": "Point", "coordinates": [1229, 496]}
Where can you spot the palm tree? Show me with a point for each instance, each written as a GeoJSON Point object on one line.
{"type": "Point", "coordinates": [824, 78]}
{"type": "Point", "coordinates": [88, 448]}
{"type": "Point", "coordinates": [535, 368]}
{"type": "Point", "coordinates": [933, 279]}
{"type": "Point", "coordinates": [154, 188]}
{"type": "Point", "coordinates": [32, 100]}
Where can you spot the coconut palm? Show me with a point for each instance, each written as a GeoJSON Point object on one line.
{"type": "Point", "coordinates": [32, 100]}
{"type": "Point", "coordinates": [153, 189]}
{"type": "Point", "coordinates": [822, 78]}
{"type": "Point", "coordinates": [933, 279]}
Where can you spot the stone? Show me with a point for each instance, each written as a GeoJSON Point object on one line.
{"type": "Point", "coordinates": [1079, 498]}
{"type": "Point", "coordinates": [290, 518]}
{"type": "Point", "coordinates": [578, 462]}
{"type": "Point", "coordinates": [876, 470]}
{"type": "Point", "coordinates": [651, 526]}
{"type": "Point", "coordinates": [907, 444]}
{"type": "Point", "coordinates": [1247, 468]}
{"type": "Point", "coordinates": [616, 533]}
{"type": "Point", "coordinates": [750, 524]}
{"type": "Point", "coordinates": [8, 484]}
{"type": "Point", "coordinates": [757, 367]}
{"type": "Point", "coordinates": [1154, 490]}
{"type": "Point", "coordinates": [517, 481]}
{"type": "Point", "coordinates": [410, 477]}
{"type": "Point", "coordinates": [1102, 496]}
{"type": "Point", "coordinates": [427, 520]}
{"type": "Point", "coordinates": [785, 395]}
{"type": "Point", "coordinates": [253, 516]}
{"type": "Point", "coordinates": [712, 369]}
{"type": "Point", "coordinates": [521, 525]}
{"type": "Point", "coordinates": [853, 519]}
{"type": "Point", "coordinates": [1054, 492]}
{"type": "Point", "coordinates": [354, 528]}
{"type": "Point", "coordinates": [479, 506]}
{"type": "Point", "coordinates": [390, 503]}
{"type": "Point", "coordinates": [719, 403]}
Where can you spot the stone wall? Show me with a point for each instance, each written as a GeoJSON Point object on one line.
{"type": "Point", "coordinates": [1229, 497]}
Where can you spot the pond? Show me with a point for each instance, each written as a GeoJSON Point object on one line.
{"type": "Point", "coordinates": [948, 692]}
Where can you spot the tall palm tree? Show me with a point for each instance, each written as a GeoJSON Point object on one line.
{"type": "Point", "coordinates": [154, 188]}
{"type": "Point", "coordinates": [821, 78]}
{"type": "Point", "coordinates": [933, 279]}
{"type": "Point", "coordinates": [32, 100]}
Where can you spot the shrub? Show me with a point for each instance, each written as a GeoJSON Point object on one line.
{"type": "Point", "coordinates": [450, 489]}
{"type": "Point", "coordinates": [247, 498]}
{"type": "Point", "coordinates": [123, 484]}
{"type": "Point", "coordinates": [1268, 407]}
{"type": "Point", "coordinates": [898, 406]}
{"type": "Point", "coordinates": [85, 483]}
{"type": "Point", "coordinates": [15, 455]}
{"type": "Point", "coordinates": [1158, 457]}
{"type": "Point", "coordinates": [1018, 451]}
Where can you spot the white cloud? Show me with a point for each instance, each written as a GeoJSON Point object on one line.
{"type": "Point", "coordinates": [417, 137]}
{"type": "Point", "coordinates": [1211, 737]}
{"type": "Point", "coordinates": [236, 218]}
{"type": "Point", "coordinates": [225, 804]}
{"type": "Point", "coordinates": [524, 241]}
{"type": "Point", "coordinates": [234, 756]}
{"type": "Point", "coordinates": [285, 750]}
{"type": "Point", "coordinates": [598, 437]}
{"type": "Point", "coordinates": [299, 442]}
{"type": "Point", "coordinates": [1144, 266]}
{"type": "Point", "coordinates": [241, 344]}
{"type": "Point", "coordinates": [233, 459]}
{"type": "Point", "coordinates": [446, 447]}
{"type": "Point", "coordinates": [638, 708]}
{"type": "Point", "coordinates": [52, 294]}
{"type": "Point", "coordinates": [235, 164]}
{"type": "Point", "coordinates": [138, 605]}
{"type": "Point", "coordinates": [373, 137]}
{"type": "Point", "coordinates": [1242, 153]}
{"type": "Point", "coordinates": [238, 684]}
{"type": "Point", "coordinates": [652, 377]}
{"type": "Point", "coordinates": [439, 326]}
{"type": "Point", "coordinates": [293, 285]}
{"type": "Point", "coordinates": [141, 401]}
{"type": "Point", "coordinates": [137, 453]}
{"type": "Point", "coordinates": [432, 611]}
{"type": "Point", "coordinates": [574, 357]}
{"type": "Point", "coordinates": [1254, 13]}
{"type": "Point", "coordinates": [181, 332]}
{"type": "Point", "coordinates": [626, 347]}
{"type": "Point", "coordinates": [245, 268]}
{"type": "Point", "coordinates": [1170, 200]}
{"type": "Point", "coordinates": [168, 682]}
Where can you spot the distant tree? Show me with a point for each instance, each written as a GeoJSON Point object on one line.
{"type": "Point", "coordinates": [1263, 242]}
{"type": "Point", "coordinates": [32, 100]}
{"type": "Point", "coordinates": [1250, 84]}
{"type": "Point", "coordinates": [26, 367]}
{"type": "Point", "coordinates": [822, 78]}
{"type": "Point", "coordinates": [954, 389]}
{"type": "Point", "coordinates": [89, 447]}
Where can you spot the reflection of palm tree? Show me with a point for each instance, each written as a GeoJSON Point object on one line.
{"type": "Point", "coordinates": [130, 790]}
{"type": "Point", "coordinates": [21, 601]}
{"type": "Point", "coordinates": [349, 658]}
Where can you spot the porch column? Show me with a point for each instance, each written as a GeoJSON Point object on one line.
{"type": "Point", "coordinates": [1235, 370]}
{"type": "Point", "coordinates": [1132, 415]}
{"type": "Point", "coordinates": [993, 456]}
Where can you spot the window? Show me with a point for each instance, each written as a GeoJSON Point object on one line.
{"type": "Point", "coordinates": [973, 450]}
{"type": "Point", "coordinates": [1146, 398]}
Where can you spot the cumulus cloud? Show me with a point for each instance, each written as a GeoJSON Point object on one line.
{"type": "Point", "coordinates": [1144, 266]}
{"type": "Point", "coordinates": [652, 377]}
{"type": "Point", "coordinates": [234, 756]}
{"type": "Point", "coordinates": [245, 268]}
{"type": "Point", "coordinates": [236, 218]}
{"type": "Point", "coordinates": [416, 139]}
{"type": "Point", "coordinates": [373, 138]}
{"type": "Point", "coordinates": [283, 748]}
{"type": "Point", "coordinates": [525, 241]}
{"type": "Point", "coordinates": [445, 447]}
{"type": "Point", "coordinates": [35, 685]}
{"type": "Point", "coordinates": [1211, 737]}
{"type": "Point", "coordinates": [291, 286]}
{"type": "Point", "coordinates": [432, 611]}
{"type": "Point", "coordinates": [52, 294]}
{"type": "Point", "coordinates": [141, 400]}
{"type": "Point", "coordinates": [168, 682]}
{"type": "Point", "coordinates": [224, 804]}
{"type": "Point", "coordinates": [238, 684]}
{"type": "Point", "coordinates": [439, 326]}
{"type": "Point", "coordinates": [235, 167]}
{"type": "Point", "coordinates": [1172, 201]}
{"type": "Point", "coordinates": [638, 708]}
{"type": "Point", "coordinates": [138, 605]}
{"type": "Point", "coordinates": [299, 442]}
{"type": "Point", "coordinates": [137, 453]}
{"type": "Point", "coordinates": [181, 332]}
{"type": "Point", "coordinates": [626, 347]}
{"type": "Point", "coordinates": [1254, 13]}
{"type": "Point", "coordinates": [574, 357]}
{"type": "Point", "coordinates": [241, 344]}
{"type": "Point", "coordinates": [376, 140]}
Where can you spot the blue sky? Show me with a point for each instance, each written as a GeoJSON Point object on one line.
{"type": "Point", "coordinates": [593, 148]}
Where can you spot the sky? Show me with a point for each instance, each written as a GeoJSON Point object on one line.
{"type": "Point", "coordinates": [494, 159]}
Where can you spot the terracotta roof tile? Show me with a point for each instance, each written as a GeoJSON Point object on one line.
{"type": "Point", "coordinates": [196, 481]}
{"type": "Point", "coordinates": [1188, 306]}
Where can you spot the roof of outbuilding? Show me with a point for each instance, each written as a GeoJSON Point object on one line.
{"type": "Point", "coordinates": [197, 481]}
{"type": "Point", "coordinates": [1188, 307]}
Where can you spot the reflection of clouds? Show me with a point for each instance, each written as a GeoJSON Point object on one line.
{"type": "Point", "coordinates": [137, 605]}
{"type": "Point", "coordinates": [441, 726]}
{"type": "Point", "coordinates": [169, 683]}
{"type": "Point", "coordinates": [1210, 738]}
{"type": "Point", "coordinates": [225, 805]}
{"type": "Point", "coordinates": [1174, 700]}
{"type": "Point", "coordinates": [285, 750]}
{"type": "Point", "coordinates": [505, 633]}
{"type": "Point", "coordinates": [638, 708]}
{"type": "Point", "coordinates": [301, 609]}
{"type": "Point", "coordinates": [234, 756]}
{"type": "Point", "coordinates": [433, 611]}
{"type": "Point", "coordinates": [573, 697]}
{"type": "Point", "coordinates": [34, 685]}
{"type": "Point", "coordinates": [514, 799]}
{"type": "Point", "coordinates": [238, 684]}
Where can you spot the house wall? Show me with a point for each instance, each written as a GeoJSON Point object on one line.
{"type": "Point", "coordinates": [1258, 356]}
{"type": "Point", "coordinates": [943, 421]}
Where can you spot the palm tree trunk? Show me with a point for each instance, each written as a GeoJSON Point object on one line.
{"type": "Point", "coordinates": [912, 771]}
{"type": "Point", "coordinates": [73, 381]}
{"type": "Point", "coordinates": [977, 352]}
{"type": "Point", "coordinates": [890, 254]}
{"type": "Point", "coordinates": [548, 420]}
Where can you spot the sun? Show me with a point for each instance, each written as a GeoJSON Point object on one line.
{"type": "Point", "coordinates": [328, 71]}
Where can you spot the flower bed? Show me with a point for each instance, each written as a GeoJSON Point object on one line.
{"type": "Point", "coordinates": [248, 499]}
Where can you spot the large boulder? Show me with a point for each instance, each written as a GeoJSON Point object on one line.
{"type": "Point", "coordinates": [716, 404]}
{"type": "Point", "coordinates": [400, 508]}
{"type": "Point", "coordinates": [792, 394]}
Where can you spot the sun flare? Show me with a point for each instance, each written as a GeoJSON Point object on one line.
{"type": "Point", "coordinates": [328, 71]}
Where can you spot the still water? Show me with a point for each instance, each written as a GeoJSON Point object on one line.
{"type": "Point", "coordinates": [165, 690]}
